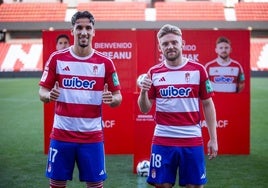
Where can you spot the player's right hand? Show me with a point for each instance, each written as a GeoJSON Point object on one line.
{"type": "Point", "coordinates": [144, 82]}
{"type": "Point", "coordinates": [55, 92]}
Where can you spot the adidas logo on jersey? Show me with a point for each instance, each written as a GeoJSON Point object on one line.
{"type": "Point", "coordinates": [162, 79]}
{"type": "Point", "coordinates": [66, 68]}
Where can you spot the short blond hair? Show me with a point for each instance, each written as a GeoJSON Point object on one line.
{"type": "Point", "coordinates": [166, 29]}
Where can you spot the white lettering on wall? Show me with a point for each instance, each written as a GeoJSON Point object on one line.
{"type": "Point", "coordinates": [108, 123]}
{"type": "Point", "coordinates": [118, 55]}
{"type": "Point", "coordinates": [122, 49]}
{"type": "Point", "coordinates": [220, 123]}
{"type": "Point", "coordinates": [112, 45]}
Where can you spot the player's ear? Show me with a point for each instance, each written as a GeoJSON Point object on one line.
{"type": "Point", "coordinates": [72, 31]}
{"type": "Point", "coordinates": [183, 43]}
{"type": "Point", "coordinates": [93, 32]}
{"type": "Point", "coordinates": [158, 47]}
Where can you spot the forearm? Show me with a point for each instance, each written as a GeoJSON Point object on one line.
{"type": "Point", "coordinates": [240, 86]}
{"type": "Point", "coordinates": [44, 95]}
{"type": "Point", "coordinates": [210, 117]}
{"type": "Point", "coordinates": [143, 102]}
{"type": "Point", "coordinates": [116, 99]}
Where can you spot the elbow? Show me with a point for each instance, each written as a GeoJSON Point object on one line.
{"type": "Point", "coordinates": [42, 96]}
{"type": "Point", "coordinates": [144, 110]}
{"type": "Point", "coordinates": [117, 102]}
{"type": "Point", "coordinates": [144, 107]}
{"type": "Point", "coordinates": [42, 99]}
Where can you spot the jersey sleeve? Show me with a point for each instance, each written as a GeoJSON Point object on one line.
{"type": "Point", "coordinates": [49, 74]}
{"type": "Point", "coordinates": [241, 74]}
{"type": "Point", "coordinates": [152, 91]}
{"type": "Point", "coordinates": [111, 77]}
{"type": "Point", "coordinates": [206, 90]}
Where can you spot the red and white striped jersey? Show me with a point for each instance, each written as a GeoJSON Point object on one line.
{"type": "Point", "coordinates": [81, 80]}
{"type": "Point", "coordinates": [177, 92]}
{"type": "Point", "coordinates": [225, 77]}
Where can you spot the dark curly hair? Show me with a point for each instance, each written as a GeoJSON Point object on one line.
{"type": "Point", "coordinates": [82, 14]}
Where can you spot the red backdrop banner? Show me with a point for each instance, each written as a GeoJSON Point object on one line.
{"type": "Point", "coordinates": [127, 131]}
{"type": "Point", "coordinates": [233, 110]}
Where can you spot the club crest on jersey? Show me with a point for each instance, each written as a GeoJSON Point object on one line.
{"type": "Point", "coordinates": [95, 70]}
{"type": "Point", "coordinates": [153, 173]}
{"type": "Point", "coordinates": [172, 91]}
{"type": "Point", "coordinates": [49, 167]}
{"type": "Point", "coordinates": [187, 77]}
{"type": "Point", "coordinates": [77, 83]}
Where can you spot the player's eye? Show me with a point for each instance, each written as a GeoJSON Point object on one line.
{"type": "Point", "coordinates": [79, 27]}
{"type": "Point", "coordinates": [164, 44]}
{"type": "Point", "coordinates": [174, 42]}
{"type": "Point", "coordinates": [88, 28]}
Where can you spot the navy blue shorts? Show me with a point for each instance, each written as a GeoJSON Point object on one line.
{"type": "Point", "coordinates": [63, 156]}
{"type": "Point", "coordinates": [168, 161]}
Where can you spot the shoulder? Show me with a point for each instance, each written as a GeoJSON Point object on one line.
{"type": "Point", "coordinates": [235, 62]}
{"type": "Point", "coordinates": [195, 65]}
{"type": "Point", "coordinates": [157, 67]}
{"type": "Point", "coordinates": [211, 63]}
{"type": "Point", "coordinates": [102, 56]}
{"type": "Point", "coordinates": [60, 53]}
{"type": "Point", "coordinates": [55, 56]}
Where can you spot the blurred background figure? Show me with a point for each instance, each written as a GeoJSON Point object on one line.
{"type": "Point", "coordinates": [62, 42]}
{"type": "Point", "coordinates": [225, 73]}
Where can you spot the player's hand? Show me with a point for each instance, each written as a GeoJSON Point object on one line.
{"type": "Point", "coordinates": [212, 149]}
{"type": "Point", "coordinates": [107, 97]}
{"type": "Point", "coordinates": [55, 92]}
{"type": "Point", "coordinates": [144, 82]}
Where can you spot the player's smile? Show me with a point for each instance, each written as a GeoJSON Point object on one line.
{"type": "Point", "coordinates": [84, 38]}
{"type": "Point", "coordinates": [84, 31]}
{"type": "Point", "coordinates": [171, 52]}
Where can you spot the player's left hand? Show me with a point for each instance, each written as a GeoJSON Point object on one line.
{"type": "Point", "coordinates": [212, 149]}
{"type": "Point", "coordinates": [107, 97]}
